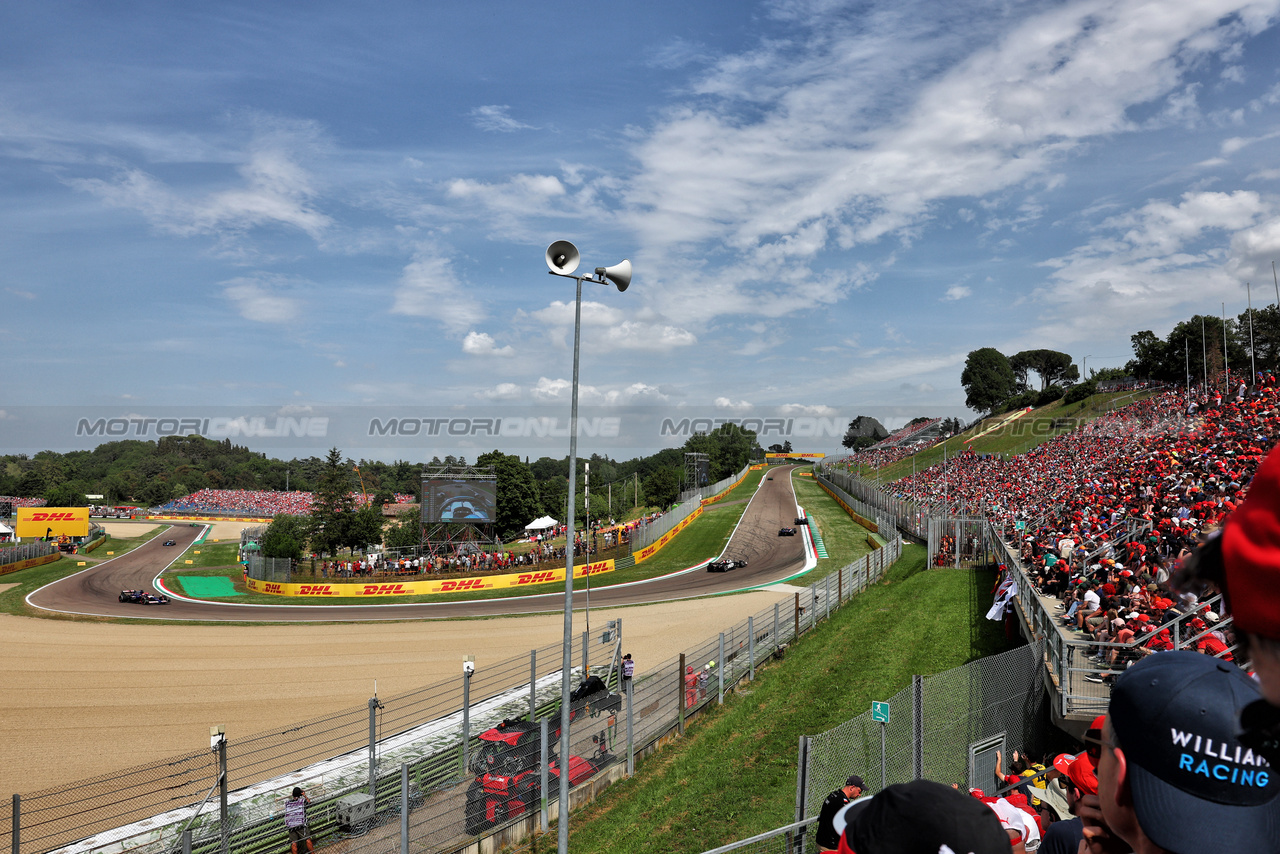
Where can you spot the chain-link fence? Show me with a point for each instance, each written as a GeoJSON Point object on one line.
{"type": "Point", "coordinates": [463, 756]}
{"type": "Point", "coordinates": [944, 727]}
{"type": "Point", "coordinates": [648, 534]}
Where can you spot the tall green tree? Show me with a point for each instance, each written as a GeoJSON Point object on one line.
{"type": "Point", "coordinates": [333, 508]}
{"type": "Point", "coordinates": [518, 503]}
{"type": "Point", "coordinates": [285, 537]}
{"type": "Point", "coordinates": [662, 487]}
{"type": "Point", "coordinates": [987, 379]}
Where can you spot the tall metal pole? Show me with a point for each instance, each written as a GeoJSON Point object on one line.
{"type": "Point", "coordinates": [1276, 281]}
{"type": "Point", "coordinates": [586, 542]}
{"type": "Point", "coordinates": [562, 818]}
{"type": "Point", "coordinates": [1226, 367]}
{"type": "Point", "coordinates": [1204, 354]}
{"type": "Point", "coordinates": [1186, 352]}
{"type": "Point", "coordinates": [224, 813]}
{"type": "Point", "coordinates": [1253, 359]}
{"type": "Point", "coordinates": [374, 705]}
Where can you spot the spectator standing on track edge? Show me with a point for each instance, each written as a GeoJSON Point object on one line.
{"type": "Point", "coordinates": [826, 835]}
{"type": "Point", "coordinates": [295, 819]}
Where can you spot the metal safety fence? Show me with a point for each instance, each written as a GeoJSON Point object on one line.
{"type": "Point", "coordinates": [26, 551]}
{"type": "Point", "coordinates": [868, 500]}
{"type": "Point", "coordinates": [650, 533]}
{"type": "Point", "coordinates": [946, 727]}
{"type": "Point", "coordinates": [439, 766]}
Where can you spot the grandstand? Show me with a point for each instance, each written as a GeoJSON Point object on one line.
{"type": "Point", "coordinates": [254, 502]}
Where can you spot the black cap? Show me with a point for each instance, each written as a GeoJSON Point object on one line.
{"type": "Point", "coordinates": [909, 818]}
{"type": "Point", "coordinates": [1195, 786]}
{"type": "Point", "coordinates": [855, 780]}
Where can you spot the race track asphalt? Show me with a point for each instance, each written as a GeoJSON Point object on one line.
{"type": "Point", "coordinates": [770, 558]}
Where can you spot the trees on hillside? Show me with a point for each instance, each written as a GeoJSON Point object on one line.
{"type": "Point", "coordinates": [285, 537]}
{"type": "Point", "coordinates": [333, 509]}
{"type": "Point", "coordinates": [987, 379]}
{"type": "Point", "coordinates": [1052, 366]}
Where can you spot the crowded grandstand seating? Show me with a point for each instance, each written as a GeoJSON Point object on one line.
{"type": "Point", "coordinates": [253, 502]}
{"type": "Point", "coordinates": [21, 502]}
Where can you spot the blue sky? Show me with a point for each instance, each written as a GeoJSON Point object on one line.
{"type": "Point", "coordinates": [827, 204]}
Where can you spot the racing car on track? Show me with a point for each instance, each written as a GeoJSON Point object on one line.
{"type": "Point", "coordinates": [142, 597]}
{"type": "Point", "coordinates": [724, 565]}
{"type": "Point", "coordinates": [170, 543]}
{"type": "Point", "coordinates": [506, 766]}
{"type": "Point", "coordinates": [786, 532]}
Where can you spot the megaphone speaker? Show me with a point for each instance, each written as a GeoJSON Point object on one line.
{"type": "Point", "coordinates": [619, 274]}
{"type": "Point", "coordinates": [562, 257]}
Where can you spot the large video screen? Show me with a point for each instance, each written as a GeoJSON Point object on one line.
{"type": "Point", "coordinates": [461, 500]}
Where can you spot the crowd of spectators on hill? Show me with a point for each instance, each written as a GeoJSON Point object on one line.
{"type": "Point", "coordinates": [260, 503]}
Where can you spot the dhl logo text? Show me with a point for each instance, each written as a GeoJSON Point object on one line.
{"type": "Point", "coordinates": [382, 589]}
{"type": "Point", "coordinates": [463, 584]}
{"type": "Point", "coordinates": [536, 578]}
{"type": "Point", "coordinates": [53, 517]}
{"type": "Point", "coordinates": [317, 590]}
{"type": "Point", "coordinates": [273, 588]}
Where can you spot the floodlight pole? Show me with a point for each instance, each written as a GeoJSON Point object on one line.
{"type": "Point", "coordinates": [621, 277]}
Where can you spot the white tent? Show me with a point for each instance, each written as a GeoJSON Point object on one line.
{"type": "Point", "coordinates": [541, 524]}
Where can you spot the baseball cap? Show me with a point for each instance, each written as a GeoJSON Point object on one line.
{"type": "Point", "coordinates": [1083, 774]}
{"type": "Point", "coordinates": [1063, 761]}
{"type": "Point", "coordinates": [855, 780]}
{"type": "Point", "coordinates": [922, 815]}
{"type": "Point", "coordinates": [1195, 786]}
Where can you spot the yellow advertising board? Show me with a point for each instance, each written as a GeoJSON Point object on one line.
{"type": "Point", "coordinates": [36, 522]}
{"type": "Point", "coordinates": [794, 456]}
{"type": "Point", "coordinates": [425, 587]}
{"type": "Point", "coordinates": [651, 550]}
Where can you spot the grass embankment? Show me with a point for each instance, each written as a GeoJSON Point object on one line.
{"type": "Point", "coordinates": [733, 775]}
{"type": "Point", "coordinates": [33, 578]}
{"type": "Point", "coordinates": [1016, 437]}
{"type": "Point", "coordinates": [844, 539]}
{"type": "Point", "coordinates": [704, 539]}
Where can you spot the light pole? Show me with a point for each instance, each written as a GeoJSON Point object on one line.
{"type": "Point", "coordinates": [562, 257]}
{"type": "Point", "coordinates": [1084, 371]}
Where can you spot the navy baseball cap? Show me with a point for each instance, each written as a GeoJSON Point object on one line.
{"type": "Point", "coordinates": [920, 817]}
{"type": "Point", "coordinates": [1195, 787]}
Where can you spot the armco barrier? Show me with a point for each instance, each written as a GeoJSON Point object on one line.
{"type": "Point", "coordinates": [423, 750]}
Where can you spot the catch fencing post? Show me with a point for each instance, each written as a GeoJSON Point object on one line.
{"type": "Point", "coordinates": [631, 737]}
{"type": "Point", "coordinates": [186, 841]}
{"type": "Point", "coordinates": [585, 665]}
{"type": "Point", "coordinates": [680, 689]}
{"type": "Point", "coordinates": [17, 824]}
{"type": "Point", "coordinates": [802, 790]}
{"type": "Point", "coordinates": [826, 598]}
{"type": "Point", "coordinates": [777, 626]}
{"type": "Point", "coordinates": [466, 726]}
{"type": "Point", "coordinates": [720, 671]}
{"type": "Point", "coordinates": [223, 812]}
{"type": "Point", "coordinates": [797, 636]}
{"type": "Point", "coordinates": [404, 808]}
{"type": "Point", "coordinates": [840, 586]}
{"type": "Point", "coordinates": [751, 649]}
{"type": "Point", "coordinates": [533, 685]}
{"type": "Point", "coordinates": [542, 773]}
{"type": "Point", "coordinates": [917, 727]}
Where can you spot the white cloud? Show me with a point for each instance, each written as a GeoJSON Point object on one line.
{"type": "Point", "coordinates": [482, 344]}
{"type": "Point", "coordinates": [275, 190]}
{"type": "Point", "coordinates": [260, 298]}
{"type": "Point", "coordinates": [496, 117]}
{"type": "Point", "coordinates": [738, 406]}
{"type": "Point", "coordinates": [502, 391]}
{"type": "Point", "coordinates": [957, 292]}
{"type": "Point", "coordinates": [816, 410]}
{"type": "Point", "coordinates": [429, 287]}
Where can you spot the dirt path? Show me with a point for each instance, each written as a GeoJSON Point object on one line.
{"type": "Point", "coordinates": [85, 698]}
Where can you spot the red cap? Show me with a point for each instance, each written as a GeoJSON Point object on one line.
{"type": "Point", "coordinates": [1083, 774]}
{"type": "Point", "coordinates": [1063, 761]}
{"type": "Point", "coordinates": [1251, 554]}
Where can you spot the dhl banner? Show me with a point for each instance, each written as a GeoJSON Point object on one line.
{"type": "Point", "coordinates": [793, 456]}
{"type": "Point", "coordinates": [759, 466]}
{"type": "Point", "coordinates": [36, 522]}
{"type": "Point", "coordinates": [650, 551]}
{"type": "Point", "coordinates": [425, 587]}
{"type": "Point", "coordinates": [713, 499]}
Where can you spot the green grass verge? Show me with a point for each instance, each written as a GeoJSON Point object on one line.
{"type": "Point", "coordinates": [844, 539]}
{"type": "Point", "coordinates": [733, 775]}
